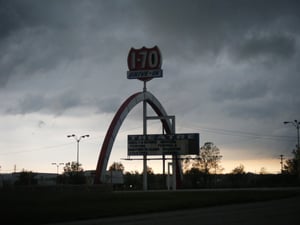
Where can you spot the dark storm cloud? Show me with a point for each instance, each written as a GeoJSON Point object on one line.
{"type": "Point", "coordinates": [60, 15]}
{"type": "Point", "coordinates": [266, 48]}
{"type": "Point", "coordinates": [41, 36]}
{"type": "Point", "coordinates": [249, 48]}
{"type": "Point", "coordinates": [29, 34]}
{"type": "Point", "coordinates": [108, 104]}
{"type": "Point", "coordinates": [57, 104]}
{"type": "Point", "coordinates": [207, 27]}
{"type": "Point", "coordinates": [231, 65]}
{"type": "Point", "coordinates": [38, 36]}
{"type": "Point", "coordinates": [241, 91]}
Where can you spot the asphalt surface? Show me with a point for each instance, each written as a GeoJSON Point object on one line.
{"type": "Point", "coordinates": [276, 212]}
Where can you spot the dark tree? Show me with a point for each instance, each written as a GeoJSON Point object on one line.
{"type": "Point", "coordinates": [209, 159]}
{"type": "Point", "coordinates": [292, 166]}
{"type": "Point", "coordinates": [73, 174]}
{"type": "Point", "coordinates": [116, 166]}
{"type": "Point", "coordinates": [239, 170]}
{"type": "Point", "coordinates": [238, 176]}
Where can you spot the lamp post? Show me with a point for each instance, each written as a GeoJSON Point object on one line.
{"type": "Point", "coordinates": [296, 124]}
{"type": "Point", "coordinates": [78, 140]}
{"type": "Point", "coordinates": [57, 166]}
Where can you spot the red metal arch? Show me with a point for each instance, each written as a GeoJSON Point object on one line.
{"type": "Point", "coordinates": [116, 123]}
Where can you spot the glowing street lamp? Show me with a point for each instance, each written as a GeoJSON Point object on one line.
{"type": "Point", "coordinates": [78, 140]}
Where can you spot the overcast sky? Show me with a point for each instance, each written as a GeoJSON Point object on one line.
{"type": "Point", "coordinates": [231, 73]}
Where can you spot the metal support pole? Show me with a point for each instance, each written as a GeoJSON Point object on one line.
{"type": "Point", "coordinates": [298, 124]}
{"type": "Point", "coordinates": [145, 180]}
{"type": "Point", "coordinates": [164, 166]}
{"type": "Point", "coordinates": [174, 162]}
{"type": "Point", "coordinates": [281, 162]}
{"type": "Point", "coordinates": [168, 178]}
{"type": "Point", "coordinates": [57, 169]}
{"type": "Point", "coordinates": [172, 118]}
{"type": "Point", "coordinates": [164, 157]}
{"type": "Point", "coordinates": [174, 157]}
{"type": "Point", "coordinates": [78, 140]}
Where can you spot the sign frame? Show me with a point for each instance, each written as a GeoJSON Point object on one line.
{"type": "Point", "coordinates": [163, 144]}
{"type": "Point", "coordinates": [144, 64]}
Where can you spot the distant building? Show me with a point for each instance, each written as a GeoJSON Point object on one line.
{"type": "Point", "coordinates": [48, 179]}
{"type": "Point", "coordinates": [42, 179]}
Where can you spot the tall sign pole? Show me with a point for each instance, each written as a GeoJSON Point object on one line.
{"type": "Point", "coordinates": [144, 64]}
{"type": "Point", "coordinates": [145, 179]}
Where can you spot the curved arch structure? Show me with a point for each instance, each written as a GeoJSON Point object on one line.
{"type": "Point", "coordinates": [116, 123]}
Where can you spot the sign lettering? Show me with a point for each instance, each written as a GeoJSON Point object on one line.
{"type": "Point", "coordinates": [160, 144]}
{"type": "Point", "coordinates": [144, 64]}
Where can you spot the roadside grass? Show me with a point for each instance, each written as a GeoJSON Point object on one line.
{"type": "Point", "coordinates": [42, 207]}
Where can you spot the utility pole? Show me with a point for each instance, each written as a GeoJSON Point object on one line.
{"type": "Point", "coordinates": [145, 179]}
{"type": "Point", "coordinates": [281, 162]}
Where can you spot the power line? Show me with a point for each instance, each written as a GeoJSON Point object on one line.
{"type": "Point", "coordinates": [238, 133]}
{"type": "Point", "coordinates": [35, 149]}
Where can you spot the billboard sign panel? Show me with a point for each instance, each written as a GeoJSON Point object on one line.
{"type": "Point", "coordinates": [163, 144]}
{"type": "Point", "coordinates": [144, 63]}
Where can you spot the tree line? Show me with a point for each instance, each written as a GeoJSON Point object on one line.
{"type": "Point", "coordinates": [201, 171]}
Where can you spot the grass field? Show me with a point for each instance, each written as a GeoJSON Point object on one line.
{"type": "Point", "coordinates": [41, 207]}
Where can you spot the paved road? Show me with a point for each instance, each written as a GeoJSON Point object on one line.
{"type": "Point", "coordinates": [276, 212]}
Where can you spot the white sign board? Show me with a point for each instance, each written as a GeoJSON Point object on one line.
{"type": "Point", "coordinates": [161, 144]}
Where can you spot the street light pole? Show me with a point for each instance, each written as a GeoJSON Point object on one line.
{"type": "Point", "coordinates": [57, 167]}
{"type": "Point", "coordinates": [78, 140]}
{"type": "Point", "coordinates": [296, 124]}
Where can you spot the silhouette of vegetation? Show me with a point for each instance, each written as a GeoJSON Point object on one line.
{"type": "Point", "coordinates": [194, 178]}
{"type": "Point", "coordinates": [116, 166]}
{"type": "Point", "coordinates": [134, 180]}
{"type": "Point", "coordinates": [239, 169]}
{"type": "Point", "coordinates": [26, 178]}
{"type": "Point", "coordinates": [199, 169]}
{"type": "Point", "coordinates": [73, 174]}
{"type": "Point", "coordinates": [238, 176]}
{"type": "Point", "coordinates": [292, 166]}
{"type": "Point", "coordinates": [150, 171]}
{"type": "Point", "coordinates": [209, 159]}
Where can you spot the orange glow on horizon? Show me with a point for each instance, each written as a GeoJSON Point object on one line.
{"type": "Point", "coordinates": [270, 166]}
{"type": "Point", "coordinates": [253, 165]}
